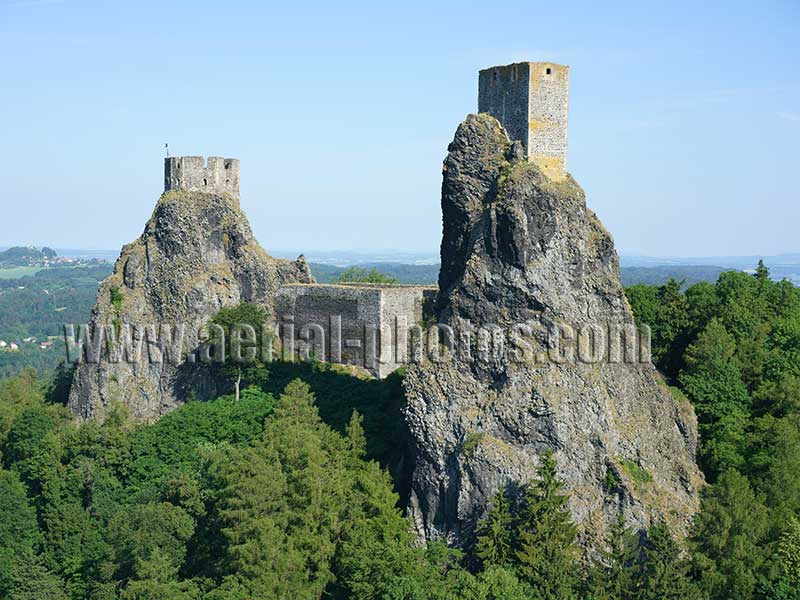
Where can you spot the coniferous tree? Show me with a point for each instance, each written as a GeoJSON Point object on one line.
{"type": "Point", "coordinates": [495, 543]}
{"type": "Point", "coordinates": [614, 577]}
{"type": "Point", "coordinates": [664, 572]}
{"type": "Point", "coordinates": [729, 541]}
{"type": "Point", "coordinates": [546, 553]}
{"type": "Point", "coordinates": [30, 579]}
{"type": "Point", "coordinates": [356, 440]}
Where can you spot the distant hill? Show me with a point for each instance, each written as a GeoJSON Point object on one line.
{"type": "Point", "coordinates": [689, 274]}
{"type": "Point", "coordinates": [20, 256]}
{"type": "Point", "coordinates": [429, 274]}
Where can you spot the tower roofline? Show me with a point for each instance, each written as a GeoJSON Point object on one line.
{"type": "Point", "coordinates": [526, 62]}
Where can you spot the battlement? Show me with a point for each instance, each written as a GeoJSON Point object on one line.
{"type": "Point", "coordinates": [530, 101]}
{"type": "Point", "coordinates": [192, 173]}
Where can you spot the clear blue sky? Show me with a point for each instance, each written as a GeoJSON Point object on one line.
{"type": "Point", "coordinates": [684, 118]}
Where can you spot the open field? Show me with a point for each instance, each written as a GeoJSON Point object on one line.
{"type": "Point", "coordinates": [17, 272]}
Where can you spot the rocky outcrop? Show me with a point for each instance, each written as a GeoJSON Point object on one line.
{"type": "Point", "coordinates": [196, 255]}
{"type": "Point", "coordinates": [523, 254]}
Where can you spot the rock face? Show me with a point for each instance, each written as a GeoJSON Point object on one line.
{"type": "Point", "coordinates": [519, 248]}
{"type": "Point", "coordinates": [196, 255]}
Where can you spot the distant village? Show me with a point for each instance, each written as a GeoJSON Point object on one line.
{"type": "Point", "coordinates": [20, 283]}
{"type": "Point", "coordinates": [28, 341]}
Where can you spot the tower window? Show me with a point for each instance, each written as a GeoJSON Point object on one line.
{"type": "Point", "coordinates": [494, 76]}
{"type": "Point", "coordinates": [205, 181]}
{"type": "Point", "coordinates": [549, 70]}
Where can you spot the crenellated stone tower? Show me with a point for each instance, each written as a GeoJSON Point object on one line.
{"type": "Point", "coordinates": [530, 101]}
{"type": "Point", "coordinates": [193, 174]}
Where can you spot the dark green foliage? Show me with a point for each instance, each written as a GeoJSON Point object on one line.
{"type": "Point", "coordinates": [713, 381]}
{"type": "Point", "coordinates": [146, 536]}
{"type": "Point", "coordinates": [740, 368]}
{"type": "Point", "coordinates": [546, 553]}
{"type": "Point", "coordinates": [225, 499]}
{"type": "Point", "coordinates": [730, 540]}
{"type": "Point", "coordinates": [19, 531]}
{"type": "Point", "coordinates": [29, 579]}
{"type": "Point", "coordinates": [614, 577]}
{"type": "Point", "coordinates": [495, 535]}
{"type": "Point", "coordinates": [338, 393]}
{"type": "Point", "coordinates": [535, 544]}
{"type": "Point", "coordinates": [663, 574]}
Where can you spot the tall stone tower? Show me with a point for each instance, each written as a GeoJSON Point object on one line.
{"type": "Point", "coordinates": [530, 101]}
{"type": "Point", "coordinates": [193, 174]}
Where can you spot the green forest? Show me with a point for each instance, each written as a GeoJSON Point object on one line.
{"type": "Point", "coordinates": [289, 492]}
{"type": "Point", "coordinates": [37, 307]}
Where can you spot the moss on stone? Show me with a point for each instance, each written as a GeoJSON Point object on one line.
{"type": "Point", "coordinates": [634, 471]}
{"type": "Point", "coordinates": [472, 441]}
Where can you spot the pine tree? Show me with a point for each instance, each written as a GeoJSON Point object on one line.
{"type": "Point", "coordinates": [546, 552]}
{"type": "Point", "coordinates": [665, 573]}
{"type": "Point", "coordinates": [356, 440]}
{"type": "Point", "coordinates": [614, 578]}
{"type": "Point", "coordinates": [494, 545]}
{"type": "Point", "coordinates": [30, 580]}
{"type": "Point", "coordinates": [729, 540]}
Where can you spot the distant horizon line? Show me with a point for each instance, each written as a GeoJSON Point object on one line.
{"type": "Point", "coordinates": [426, 255]}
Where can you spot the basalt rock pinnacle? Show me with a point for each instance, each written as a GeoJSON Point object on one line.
{"type": "Point", "coordinates": [520, 248]}
{"type": "Point", "coordinates": [197, 254]}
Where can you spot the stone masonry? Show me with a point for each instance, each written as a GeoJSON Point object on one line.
{"type": "Point", "coordinates": [357, 324]}
{"type": "Point", "coordinates": [530, 101]}
{"type": "Point", "coordinates": [192, 174]}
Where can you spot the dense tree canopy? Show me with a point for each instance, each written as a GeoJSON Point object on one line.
{"type": "Point", "coordinates": [286, 493]}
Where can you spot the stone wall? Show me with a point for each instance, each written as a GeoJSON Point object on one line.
{"type": "Point", "coordinates": [356, 324]}
{"type": "Point", "coordinates": [193, 174]}
{"type": "Point", "coordinates": [530, 100]}
{"type": "Point", "coordinates": [504, 93]}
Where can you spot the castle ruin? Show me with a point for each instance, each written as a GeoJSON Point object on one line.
{"type": "Point", "coordinates": [372, 326]}
{"type": "Point", "coordinates": [194, 174]}
{"type": "Point", "coordinates": [369, 325]}
{"type": "Point", "coordinates": [530, 101]}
